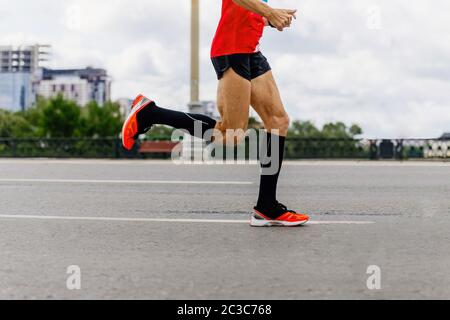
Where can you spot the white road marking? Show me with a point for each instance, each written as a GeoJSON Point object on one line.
{"type": "Point", "coordinates": [125, 181]}
{"type": "Point", "coordinates": [369, 163]}
{"type": "Point", "coordinates": [112, 219]}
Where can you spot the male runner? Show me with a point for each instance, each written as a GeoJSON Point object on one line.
{"type": "Point", "coordinates": [245, 78]}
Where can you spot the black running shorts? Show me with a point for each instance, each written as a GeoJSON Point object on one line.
{"type": "Point", "coordinates": [248, 65]}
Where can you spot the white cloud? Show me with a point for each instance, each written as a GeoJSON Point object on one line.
{"type": "Point", "coordinates": [394, 81]}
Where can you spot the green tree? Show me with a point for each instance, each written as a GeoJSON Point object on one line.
{"type": "Point", "coordinates": [303, 129]}
{"type": "Point", "coordinates": [338, 130]}
{"type": "Point", "coordinates": [55, 118]}
{"type": "Point", "coordinates": [313, 142]}
{"type": "Point", "coordinates": [253, 123]}
{"type": "Point", "coordinates": [355, 130]}
{"type": "Point", "coordinates": [14, 125]}
{"type": "Point", "coordinates": [158, 132]}
{"type": "Point", "coordinates": [33, 116]}
{"type": "Point", "coordinates": [101, 121]}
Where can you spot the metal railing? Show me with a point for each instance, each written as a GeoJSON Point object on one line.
{"type": "Point", "coordinates": [404, 149]}
{"type": "Point", "coordinates": [373, 149]}
{"type": "Point", "coordinates": [296, 148]}
{"type": "Point", "coordinates": [61, 148]}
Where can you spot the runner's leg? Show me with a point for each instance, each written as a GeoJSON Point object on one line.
{"type": "Point", "coordinates": [153, 114]}
{"type": "Point", "coordinates": [233, 101]}
{"type": "Point", "coordinates": [266, 100]}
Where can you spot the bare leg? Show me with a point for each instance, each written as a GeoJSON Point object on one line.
{"type": "Point", "coordinates": [265, 99]}
{"type": "Point", "coordinates": [233, 102]}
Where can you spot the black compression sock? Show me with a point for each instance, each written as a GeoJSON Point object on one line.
{"type": "Point", "coordinates": [179, 120]}
{"type": "Point", "coordinates": [271, 163]}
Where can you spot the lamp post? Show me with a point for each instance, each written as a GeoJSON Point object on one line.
{"type": "Point", "coordinates": [192, 147]}
{"type": "Point", "coordinates": [195, 48]}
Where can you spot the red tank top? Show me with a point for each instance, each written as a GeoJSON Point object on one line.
{"type": "Point", "coordinates": [239, 31]}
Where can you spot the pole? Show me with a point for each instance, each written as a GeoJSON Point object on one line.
{"type": "Point", "coordinates": [195, 48]}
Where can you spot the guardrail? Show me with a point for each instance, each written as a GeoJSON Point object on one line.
{"type": "Point", "coordinates": [374, 149]}
{"type": "Point", "coordinates": [296, 148]}
{"type": "Point", "coordinates": [403, 149]}
{"type": "Point", "coordinates": [60, 148]}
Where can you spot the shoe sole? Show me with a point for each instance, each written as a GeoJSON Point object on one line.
{"type": "Point", "coordinates": [128, 140]}
{"type": "Point", "coordinates": [275, 223]}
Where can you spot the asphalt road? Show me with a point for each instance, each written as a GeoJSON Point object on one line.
{"type": "Point", "coordinates": [154, 230]}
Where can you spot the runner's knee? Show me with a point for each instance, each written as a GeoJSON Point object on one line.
{"type": "Point", "coordinates": [279, 122]}
{"type": "Point", "coordinates": [230, 134]}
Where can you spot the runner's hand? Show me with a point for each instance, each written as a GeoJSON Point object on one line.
{"type": "Point", "coordinates": [281, 18]}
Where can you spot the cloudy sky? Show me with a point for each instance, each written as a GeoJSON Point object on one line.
{"type": "Point", "coordinates": [384, 64]}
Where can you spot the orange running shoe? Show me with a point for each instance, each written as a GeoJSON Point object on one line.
{"type": "Point", "coordinates": [130, 128]}
{"type": "Point", "coordinates": [287, 219]}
